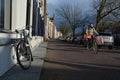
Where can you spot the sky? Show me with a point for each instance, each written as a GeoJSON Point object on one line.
{"type": "Point", "coordinates": [52, 5]}
{"type": "Point", "coordinates": [85, 5]}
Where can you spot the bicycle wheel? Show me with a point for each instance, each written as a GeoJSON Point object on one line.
{"type": "Point", "coordinates": [95, 48]}
{"type": "Point", "coordinates": [88, 47]}
{"type": "Point", "coordinates": [23, 54]}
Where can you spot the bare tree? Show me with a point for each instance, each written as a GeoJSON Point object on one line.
{"type": "Point", "coordinates": [72, 15]}
{"type": "Point", "coordinates": [106, 8]}
{"type": "Point", "coordinates": [64, 29]}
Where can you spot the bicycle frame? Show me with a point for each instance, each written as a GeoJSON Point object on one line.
{"type": "Point", "coordinates": [91, 43]}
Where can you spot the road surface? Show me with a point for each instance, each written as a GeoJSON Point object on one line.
{"type": "Point", "coordinates": [66, 61]}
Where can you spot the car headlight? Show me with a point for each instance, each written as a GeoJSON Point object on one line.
{"type": "Point", "coordinates": [111, 39]}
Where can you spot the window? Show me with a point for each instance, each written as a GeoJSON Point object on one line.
{"type": "Point", "coordinates": [1, 13]}
{"type": "Point", "coordinates": [28, 13]}
{"type": "Point", "coordinates": [38, 23]}
{"type": "Point", "coordinates": [105, 34]}
{"type": "Point", "coordinates": [34, 18]}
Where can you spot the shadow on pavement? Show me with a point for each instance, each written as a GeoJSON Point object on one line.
{"type": "Point", "coordinates": [109, 51]}
{"type": "Point", "coordinates": [67, 49]}
{"type": "Point", "coordinates": [77, 71]}
{"type": "Point", "coordinates": [84, 65]}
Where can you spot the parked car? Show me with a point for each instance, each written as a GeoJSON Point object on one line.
{"type": "Point", "coordinates": [77, 39]}
{"type": "Point", "coordinates": [106, 39]}
{"type": "Point", "coordinates": [70, 39]}
{"type": "Point", "coordinates": [61, 38]}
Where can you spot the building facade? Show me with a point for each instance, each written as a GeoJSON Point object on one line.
{"type": "Point", "coordinates": [19, 14]}
{"type": "Point", "coordinates": [51, 29]}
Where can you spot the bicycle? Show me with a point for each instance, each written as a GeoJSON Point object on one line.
{"type": "Point", "coordinates": [23, 50]}
{"type": "Point", "coordinates": [91, 42]}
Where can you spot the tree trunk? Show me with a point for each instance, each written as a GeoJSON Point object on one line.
{"type": "Point", "coordinates": [97, 21]}
{"type": "Point", "coordinates": [73, 35]}
{"type": "Point", "coordinates": [96, 26]}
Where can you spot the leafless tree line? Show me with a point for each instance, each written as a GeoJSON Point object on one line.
{"type": "Point", "coordinates": [73, 17]}
{"type": "Point", "coordinates": [105, 9]}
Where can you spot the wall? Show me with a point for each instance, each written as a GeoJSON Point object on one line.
{"type": "Point", "coordinates": [7, 53]}
{"type": "Point", "coordinates": [18, 14]}
{"type": "Point", "coordinates": [18, 21]}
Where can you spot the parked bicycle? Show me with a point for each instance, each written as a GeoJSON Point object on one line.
{"type": "Point", "coordinates": [23, 50]}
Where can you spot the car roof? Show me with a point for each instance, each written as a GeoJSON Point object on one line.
{"type": "Point", "coordinates": [105, 33]}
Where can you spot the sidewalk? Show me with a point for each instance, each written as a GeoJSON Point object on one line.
{"type": "Point", "coordinates": [17, 73]}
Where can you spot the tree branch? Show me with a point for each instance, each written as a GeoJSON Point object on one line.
{"type": "Point", "coordinates": [107, 13]}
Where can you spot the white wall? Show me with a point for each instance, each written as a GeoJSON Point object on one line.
{"type": "Point", "coordinates": [7, 52]}
{"type": "Point", "coordinates": [6, 60]}
{"type": "Point", "coordinates": [18, 13]}
{"type": "Point", "coordinates": [7, 14]}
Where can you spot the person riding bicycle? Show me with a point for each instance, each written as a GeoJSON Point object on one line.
{"type": "Point", "coordinates": [90, 31]}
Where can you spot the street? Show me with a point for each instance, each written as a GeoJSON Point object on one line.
{"type": "Point", "coordinates": [67, 61]}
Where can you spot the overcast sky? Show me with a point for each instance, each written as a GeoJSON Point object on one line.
{"type": "Point", "coordinates": [53, 4]}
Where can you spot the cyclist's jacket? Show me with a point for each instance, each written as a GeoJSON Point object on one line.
{"type": "Point", "coordinates": [91, 31]}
